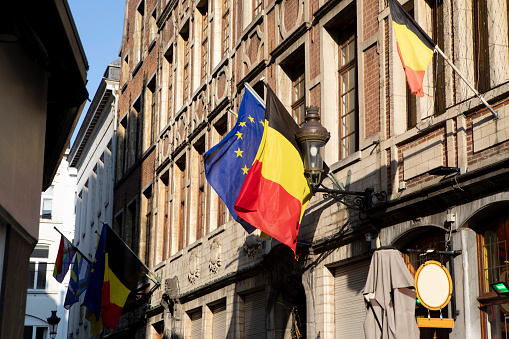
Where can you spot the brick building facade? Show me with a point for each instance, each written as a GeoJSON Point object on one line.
{"type": "Point", "coordinates": [184, 65]}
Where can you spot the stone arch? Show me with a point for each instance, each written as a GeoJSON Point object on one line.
{"type": "Point", "coordinates": [411, 234]}
{"type": "Point", "coordinates": [486, 214]}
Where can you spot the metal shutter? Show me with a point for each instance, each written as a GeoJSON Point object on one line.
{"type": "Point", "coordinates": [254, 316]}
{"type": "Point", "coordinates": [196, 325]}
{"type": "Point", "coordinates": [219, 322]}
{"type": "Point", "coordinates": [350, 310]}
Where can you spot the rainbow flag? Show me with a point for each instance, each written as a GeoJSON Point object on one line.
{"type": "Point", "coordinates": [275, 192]}
{"type": "Point", "coordinates": [415, 47]}
{"type": "Point", "coordinates": [66, 252]}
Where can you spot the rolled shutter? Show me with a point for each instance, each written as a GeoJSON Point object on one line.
{"type": "Point", "coordinates": [350, 310]}
{"type": "Point", "coordinates": [254, 316]}
{"type": "Point", "coordinates": [219, 322]}
{"type": "Point", "coordinates": [196, 325]}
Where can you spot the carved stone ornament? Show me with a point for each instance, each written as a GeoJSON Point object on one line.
{"type": "Point", "coordinates": [252, 246]}
{"type": "Point", "coordinates": [194, 268]}
{"type": "Point", "coordinates": [215, 256]}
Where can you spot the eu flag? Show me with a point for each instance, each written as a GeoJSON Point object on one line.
{"type": "Point", "coordinates": [227, 163]}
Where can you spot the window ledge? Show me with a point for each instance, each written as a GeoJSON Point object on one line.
{"type": "Point", "coordinates": [353, 158]}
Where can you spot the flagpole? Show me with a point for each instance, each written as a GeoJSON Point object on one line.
{"type": "Point", "coordinates": [495, 114]}
{"type": "Point", "coordinates": [77, 250]}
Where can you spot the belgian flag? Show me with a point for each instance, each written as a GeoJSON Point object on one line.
{"type": "Point", "coordinates": [275, 192]}
{"type": "Point", "coordinates": [116, 271]}
{"type": "Point", "coordinates": [415, 47]}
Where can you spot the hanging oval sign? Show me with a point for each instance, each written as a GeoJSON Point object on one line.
{"type": "Point", "coordinates": [433, 285]}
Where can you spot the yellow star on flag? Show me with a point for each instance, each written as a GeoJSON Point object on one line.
{"type": "Point", "coordinates": [261, 122]}
{"type": "Point", "coordinates": [239, 152]}
{"type": "Point", "coordinates": [242, 124]}
{"type": "Point", "coordinates": [245, 169]}
{"type": "Point", "coordinates": [239, 135]}
{"type": "Point", "coordinates": [251, 118]}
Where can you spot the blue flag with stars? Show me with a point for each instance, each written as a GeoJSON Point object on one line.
{"type": "Point", "coordinates": [227, 163]}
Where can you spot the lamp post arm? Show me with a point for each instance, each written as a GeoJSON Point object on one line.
{"type": "Point", "coordinates": [363, 199]}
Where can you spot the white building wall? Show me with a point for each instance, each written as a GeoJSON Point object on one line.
{"type": "Point", "coordinates": [94, 194]}
{"type": "Point", "coordinates": [40, 302]}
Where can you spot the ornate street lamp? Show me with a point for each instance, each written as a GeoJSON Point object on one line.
{"type": "Point", "coordinates": [53, 324]}
{"type": "Point", "coordinates": [312, 136]}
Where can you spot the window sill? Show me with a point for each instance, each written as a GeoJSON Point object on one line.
{"type": "Point", "coordinates": [345, 162]}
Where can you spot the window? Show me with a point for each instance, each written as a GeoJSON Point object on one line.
{"type": "Point", "coordinates": [299, 95]}
{"type": "Point", "coordinates": [348, 123]}
{"type": "Point", "coordinates": [152, 108]}
{"type": "Point", "coordinates": [437, 8]}
{"type": "Point", "coordinates": [186, 67]}
{"type": "Point", "coordinates": [153, 26]}
{"type": "Point", "coordinates": [257, 7]}
{"type": "Point", "coordinates": [219, 321]}
{"type": "Point", "coordinates": [414, 256]}
{"type": "Point", "coordinates": [481, 45]}
{"type": "Point", "coordinates": [134, 133]}
{"type": "Point", "coordinates": [125, 69]}
{"type": "Point", "coordinates": [166, 220]}
{"type": "Point", "coordinates": [47, 203]}
{"type": "Point", "coordinates": [122, 147]}
{"type": "Point", "coordinates": [182, 212]}
{"type": "Point", "coordinates": [117, 225]}
{"type": "Point", "coordinates": [196, 320]}
{"type": "Point", "coordinates": [204, 40]}
{"type": "Point", "coordinates": [148, 223]}
{"type": "Point", "coordinates": [38, 268]}
{"type": "Point", "coordinates": [132, 228]}
{"type": "Point", "coordinates": [254, 315]}
{"type": "Point", "coordinates": [47, 206]}
{"type": "Point", "coordinates": [493, 249]}
{"type": "Point", "coordinates": [168, 66]}
{"type": "Point", "coordinates": [200, 217]}
{"type": "Point", "coordinates": [35, 332]}
{"type": "Point", "coordinates": [226, 28]}
{"type": "Point", "coordinates": [221, 128]}
{"type": "Point", "coordinates": [140, 33]}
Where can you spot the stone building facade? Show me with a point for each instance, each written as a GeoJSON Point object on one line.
{"type": "Point", "coordinates": [184, 65]}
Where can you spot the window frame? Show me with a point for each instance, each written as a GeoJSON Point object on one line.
{"type": "Point", "coordinates": [343, 70]}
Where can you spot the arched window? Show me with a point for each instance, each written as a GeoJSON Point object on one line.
{"type": "Point", "coordinates": [493, 261]}
{"type": "Point", "coordinates": [418, 246]}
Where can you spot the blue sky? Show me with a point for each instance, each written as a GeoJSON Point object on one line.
{"type": "Point", "coordinates": [100, 24]}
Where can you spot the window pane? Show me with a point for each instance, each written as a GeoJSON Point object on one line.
{"type": "Point", "coordinates": [351, 75]}
{"type": "Point", "coordinates": [46, 208]}
{"type": "Point", "coordinates": [31, 275]}
{"type": "Point", "coordinates": [351, 100]}
{"type": "Point", "coordinates": [39, 332]}
{"type": "Point", "coordinates": [41, 276]}
{"type": "Point", "coordinates": [351, 139]}
{"type": "Point", "coordinates": [40, 252]}
{"type": "Point", "coordinates": [344, 55]}
{"type": "Point", "coordinates": [27, 332]}
{"type": "Point", "coordinates": [352, 122]}
{"type": "Point", "coordinates": [351, 49]}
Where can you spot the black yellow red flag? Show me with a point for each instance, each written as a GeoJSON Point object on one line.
{"type": "Point", "coordinates": [415, 47]}
{"type": "Point", "coordinates": [116, 271]}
